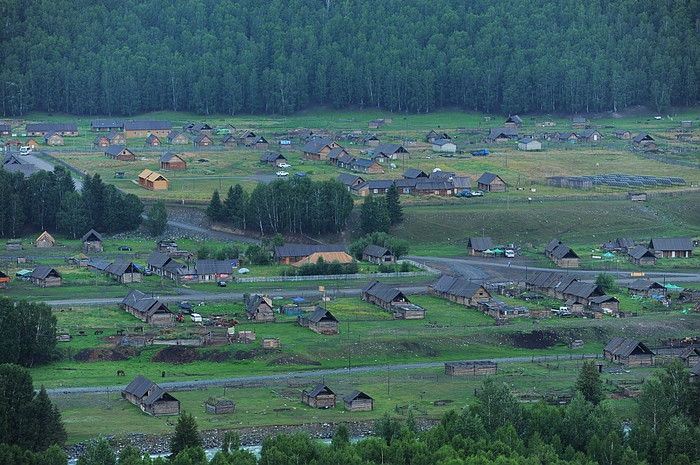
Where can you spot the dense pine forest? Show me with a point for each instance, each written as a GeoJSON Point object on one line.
{"type": "Point", "coordinates": [246, 56]}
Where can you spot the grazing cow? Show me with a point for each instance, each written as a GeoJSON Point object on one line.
{"type": "Point", "coordinates": [120, 332]}
{"type": "Point", "coordinates": [138, 329]}
{"type": "Point", "coordinates": [81, 333]}
{"type": "Point", "coordinates": [98, 332]}
{"type": "Point", "coordinates": [120, 373]}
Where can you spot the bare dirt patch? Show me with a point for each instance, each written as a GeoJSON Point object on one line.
{"type": "Point", "coordinates": [293, 360]}
{"type": "Point", "coordinates": [176, 355]}
{"type": "Point", "coordinates": [535, 339]}
{"type": "Point", "coordinates": [104, 355]}
{"type": "Point", "coordinates": [216, 356]}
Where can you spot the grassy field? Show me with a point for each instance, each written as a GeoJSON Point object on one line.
{"type": "Point", "coordinates": [433, 226]}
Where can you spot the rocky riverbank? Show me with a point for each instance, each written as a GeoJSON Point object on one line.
{"type": "Point", "coordinates": [250, 436]}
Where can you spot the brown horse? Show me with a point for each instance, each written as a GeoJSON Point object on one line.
{"type": "Point", "coordinates": [121, 373]}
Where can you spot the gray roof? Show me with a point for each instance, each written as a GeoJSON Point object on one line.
{"type": "Point", "coordinates": [514, 119]}
{"type": "Point", "coordinates": [44, 271]}
{"type": "Point", "coordinates": [167, 156]}
{"type": "Point", "coordinates": [364, 163]}
{"type": "Point", "coordinates": [321, 314]}
{"type": "Point", "coordinates": [316, 145]}
{"type": "Point", "coordinates": [144, 304]}
{"type": "Point", "coordinates": [99, 264]}
{"type": "Point", "coordinates": [486, 178]}
{"type": "Point", "coordinates": [563, 251]}
{"type": "Point", "coordinates": [639, 251]}
{"type": "Point", "coordinates": [671, 243]}
{"type": "Point", "coordinates": [601, 299]}
{"type": "Point", "coordinates": [413, 173]}
{"type": "Point", "coordinates": [644, 285]}
{"type": "Point", "coordinates": [623, 347]}
{"type": "Point", "coordinates": [642, 136]}
{"type": "Point", "coordinates": [114, 150]}
{"type": "Point", "coordinates": [151, 138]}
{"type": "Point", "coordinates": [508, 132]}
{"type": "Point", "coordinates": [147, 124]}
{"type": "Point", "coordinates": [107, 123]}
{"type": "Point", "coordinates": [480, 243]}
{"type": "Point", "coordinates": [433, 185]}
{"type": "Point", "coordinates": [121, 266]}
{"type": "Point", "coordinates": [271, 157]}
{"type": "Point", "coordinates": [389, 149]}
{"type": "Point", "coordinates": [158, 259]}
{"type": "Point", "coordinates": [456, 286]}
{"type": "Point", "coordinates": [400, 183]}
{"type": "Point", "coordinates": [304, 250]}
{"type": "Point", "coordinates": [383, 292]}
{"type": "Point", "coordinates": [376, 251]}
{"type": "Point", "coordinates": [139, 386]}
{"type": "Point", "coordinates": [91, 235]}
{"type": "Point", "coordinates": [214, 267]}
{"type": "Point", "coordinates": [379, 183]}
{"type": "Point", "coordinates": [356, 395]}
{"type": "Point", "coordinates": [51, 127]}
{"type": "Point", "coordinates": [201, 137]}
{"type": "Point", "coordinates": [348, 179]}
{"type": "Point", "coordinates": [320, 388]}
{"type": "Point", "coordinates": [695, 371]}
{"type": "Point", "coordinates": [254, 303]}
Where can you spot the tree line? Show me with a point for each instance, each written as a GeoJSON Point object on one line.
{"type": "Point", "coordinates": [48, 200]}
{"type": "Point", "coordinates": [296, 206]}
{"type": "Point", "coordinates": [230, 57]}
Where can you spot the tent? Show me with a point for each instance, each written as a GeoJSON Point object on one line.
{"type": "Point", "coordinates": [608, 256]}
{"type": "Point", "coordinates": [672, 287]}
{"type": "Point", "coordinates": [299, 300]}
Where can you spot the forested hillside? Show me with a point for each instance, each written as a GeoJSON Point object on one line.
{"type": "Point", "coordinates": [279, 56]}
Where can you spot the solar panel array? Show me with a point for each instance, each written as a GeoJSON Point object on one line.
{"type": "Point", "coordinates": [626, 180]}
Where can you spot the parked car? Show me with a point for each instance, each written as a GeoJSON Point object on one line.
{"type": "Point", "coordinates": [477, 194]}
{"type": "Point", "coordinates": [284, 165]}
{"type": "Point", "coordinates": [221, 283]}
{"type": "Point", "coordinates": [480, 153]}
{"type": "Point", "coordinates": [147, 272]}
{"type": "Point", "coordinates": [243, 271]}
{"type": "Point", "coordinates": [125, 248]}
{"type": "Point", "coordinates": [282, 173]}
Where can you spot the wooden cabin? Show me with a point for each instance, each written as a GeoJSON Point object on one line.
{"type": "Point", "coordinates": [147, 309]}
{"type": "Point", "coordinates": [92, 242]}
{"type": "Point", "coordinates": [358, 401]}
{"type": "Point", "coordinates": [323, 322]}
{"type": "Point", "coordinates": [319, 397]}
{"type": "Point", "coordinates": [45, 276]}
{"type": "Point", "coordinates": [119, 152]}
{"type": "Point", "coordinates": [170, 161]}
{"type": "Point", "coordinates": [150, 397]}
{"type": "Point", "coordinates": [45, 240]}
{"type": "Point", "coordinates": [628, 352]}
{"type": "Point", "coordinates": [260, 309]}
{"type": "Point", "coordinates": [460, 290]}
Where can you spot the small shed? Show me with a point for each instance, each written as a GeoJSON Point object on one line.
{"type": "Point", "coordinates": [378, 255]}
{"type": "Point", "coordinates": [219, 406]}
{"type": "Point", "coordinates": [170, 161]}
{"type": "Point", "coordinates": [203, 140]}
{"type": "Point", "coordinates": [45, 240]}
{"type": "Point", "coordinates": [690, 356]}
{"type": "Point", "coordinates": [153, 141]}
{"type": "Point", "coordinates": [14, 244]}
{"type": "Point", "coordinates": [640, 255]}
{"type": "Point", "coordinates": [119, 152]}
{"type": "Point", "coordinates": [444, 145]}
{"type": "Point", "coordinates": [323, 322]}
{"type": "Point", "coordinates": [319, 397]}
{"type": "Point", "coordinates": [152, 181]}
{"type": "Point", "coordinates": [177, 138]}
{"type": "Point", "coordinates": [490, 182]}
{"type": "Point", "coordinates": [628, 352]}
{"type": "Point", "coordinates": [528, 144]}
{"type": "Point", "coordinates": [358, 401]}
{"type": "Point", "coordinates": [92, 242]}
{"type": "Point", "coordinates": [477, 367]}
{"type": "Point", "coordinates": [259, 309]}
{"type": "Point", "coordinates": [54, 139]}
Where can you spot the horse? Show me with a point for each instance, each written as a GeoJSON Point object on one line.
{"type": "Point", "coordinates": [138, 329]}
{"type": "Point", "coordinates": [98, 332]}
{"type": "Point", "coordinates": [121, 373]}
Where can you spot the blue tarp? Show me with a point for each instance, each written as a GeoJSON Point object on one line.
{"type": "Point", "coordinates": [299, 299]}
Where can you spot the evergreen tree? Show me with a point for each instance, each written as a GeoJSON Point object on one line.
{"type": "Point", "coordinates": [157, 218]}
{"type": "Point", "coordinates": [215, 211]}
{"type": "Point", "coordinates": [48, 428]}
{"type": "Point", "coordinates": [186, 435]}
{"type": "Point", "coordinates": [393, 205]}
{"type": "Point", "coordinates": [98, 453]}
{"type": "Point", "coordinates": [589, 383]}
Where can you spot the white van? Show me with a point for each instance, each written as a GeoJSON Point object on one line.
{"type": "Point", "coordinates": [196, 317]}
{"type": "Point", "coordinates": [510, 253]}
{"type": "Point", "coordinates": [25, 149]}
